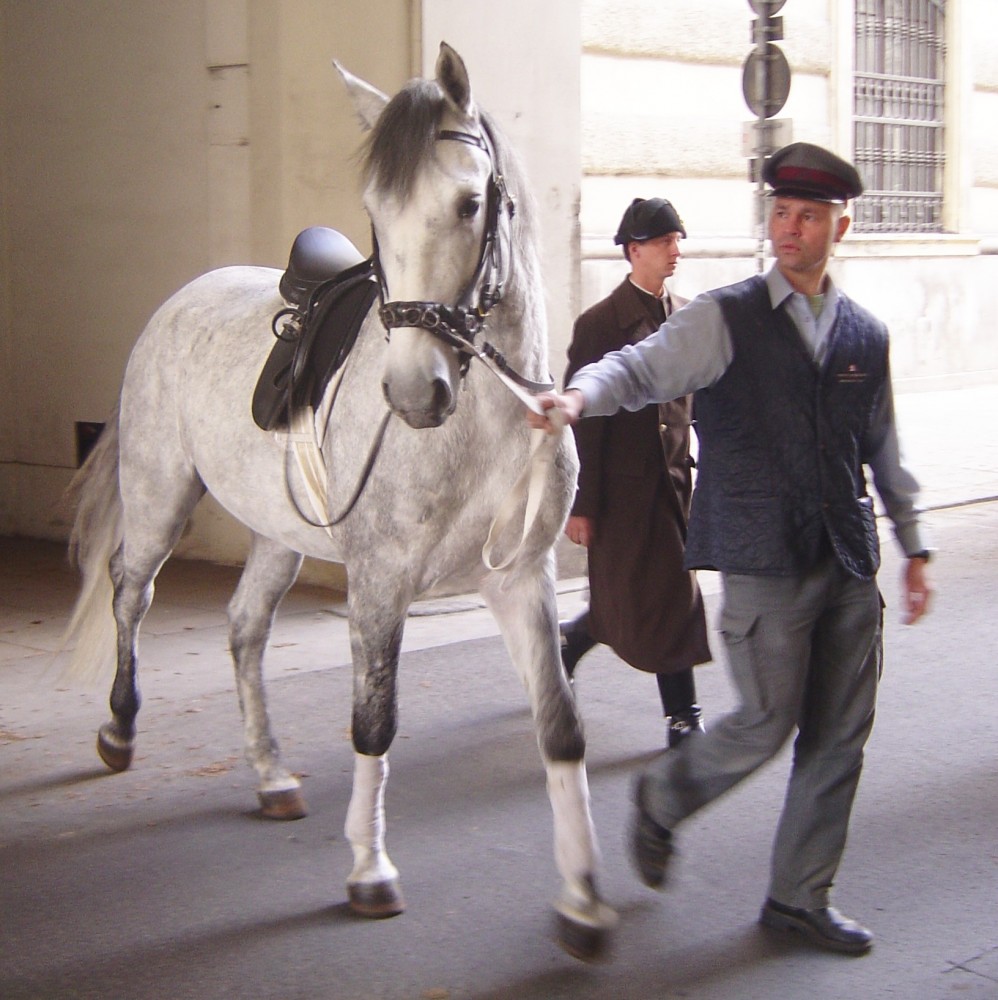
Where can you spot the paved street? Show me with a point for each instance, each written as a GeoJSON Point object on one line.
{"type": "Point", "coordinates": [163, 882]}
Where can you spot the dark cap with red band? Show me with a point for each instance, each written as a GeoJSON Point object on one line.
{"type": "Point", "coordinates": [801, 170]}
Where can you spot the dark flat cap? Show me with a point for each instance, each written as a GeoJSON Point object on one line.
{"type": "Point", "coordinates": [646, 218]}
{"type": "Point", "coordinates": [801, 170]}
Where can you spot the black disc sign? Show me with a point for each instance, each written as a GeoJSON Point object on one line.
{"type": "Point", "coordinates": [766, 80]}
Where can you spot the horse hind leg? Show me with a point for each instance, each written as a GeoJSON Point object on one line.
{"type": "Point", "coordinates": [116, 737]}
{"type": "Point", "coordinates": [146, 544]}
{"type": "Point", "coordinates": [270, 571]}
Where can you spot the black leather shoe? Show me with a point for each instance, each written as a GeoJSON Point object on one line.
{"type": "Point", "coordinates": [825, 927]}
{"type": "Point", "coordinates": [651, 844]}
{"type": "Point", "coordinates": [682, 724]}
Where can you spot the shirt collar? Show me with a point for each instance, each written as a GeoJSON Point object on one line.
{"type": "Point", "coordinates": [780, 289]}
{"type": "Point", "coordinates": [644, 291]}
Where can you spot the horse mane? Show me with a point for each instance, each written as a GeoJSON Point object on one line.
{"type": "Point", "coordinates": [404, 136]}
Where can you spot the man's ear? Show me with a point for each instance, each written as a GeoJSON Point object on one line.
{"type": "Point", "coordinates": [842, 226]}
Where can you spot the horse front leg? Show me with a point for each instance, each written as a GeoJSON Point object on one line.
{"type": "Point", "coordinates": [585, 922]}
{"type": "Point", "coordinates": [270, 570]}
{"type": "Point", "coordinates": [524, 604]}
{"type": "Point", "coordinates": [373, 885]}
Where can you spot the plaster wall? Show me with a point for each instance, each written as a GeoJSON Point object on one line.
{"type": "Point", "coordinates": [106, 211]}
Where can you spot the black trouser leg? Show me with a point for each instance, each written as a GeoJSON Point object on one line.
{"type": "Point", "coordinates": [678, 693]}
{"type": "Point", "coordinates": [575, 640]}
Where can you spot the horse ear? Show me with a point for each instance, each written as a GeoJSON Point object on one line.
{"type": "Point", "coordinates": [368, 101]}
{"type": "Point", "coordinates": [452, 76]}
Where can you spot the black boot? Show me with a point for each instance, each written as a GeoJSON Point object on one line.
{"type": "Point", "coordinates": [682, 724]}
{"type": "Point", "coordinates": [575, 641]}
{"type": "Point", "coordinates": [679, 703]}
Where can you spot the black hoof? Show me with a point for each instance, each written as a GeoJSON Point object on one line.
{"type": "Point", "coordinates": [116, 753]}
{"type": "Point", "coordinates": [376, 900]}
{"type": "Point", "coordinates": [285, 805]}
{"type": "Point", "coordinates": [584, 941]}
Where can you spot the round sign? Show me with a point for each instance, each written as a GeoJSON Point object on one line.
{"type": "Point", "coordinates": [764, 7]}
{"type": "Point", "coordinates": [766, 81]}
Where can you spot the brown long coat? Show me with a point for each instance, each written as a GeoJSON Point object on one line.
{"type": "Point", "coordinates": [635, 482]}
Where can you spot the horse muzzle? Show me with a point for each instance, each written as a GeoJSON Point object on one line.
{"type": "Point", "coordinates": [421, 377]}
{"type": "Point", "coordinates": [438, 404]}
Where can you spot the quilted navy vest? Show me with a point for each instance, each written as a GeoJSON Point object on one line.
{"type": "Point", "coordinates": [780, 468]}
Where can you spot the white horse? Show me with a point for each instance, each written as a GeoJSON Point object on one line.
{"type": "Point", "coordinates": [440, 186]}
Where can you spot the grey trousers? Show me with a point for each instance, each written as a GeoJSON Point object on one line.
{"type": "Point", "coordinates": [804, 652]}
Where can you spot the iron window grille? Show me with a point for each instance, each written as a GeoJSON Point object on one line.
{"type": "Point", "coordinates": [898, 115]}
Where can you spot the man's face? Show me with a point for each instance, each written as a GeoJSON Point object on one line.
{"type": "Point", "coordinates": [803, 233]}
{"type": "Point", "coordinates": [656, 259]}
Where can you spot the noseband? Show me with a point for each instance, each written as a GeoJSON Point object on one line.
{"type": "Point", "coordinates": [458, 324]}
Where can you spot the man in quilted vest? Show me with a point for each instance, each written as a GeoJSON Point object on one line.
{"type": "Point", "coordinates": [793, 401]}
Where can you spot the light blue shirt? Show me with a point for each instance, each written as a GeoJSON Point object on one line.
{"type": "Point", "coordinates": [692, 350]}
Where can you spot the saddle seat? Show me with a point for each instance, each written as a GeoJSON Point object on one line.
{"type": "Point", "coordinates": [317, 254]}
{"type": "Point", "coordinates": [329, 287]}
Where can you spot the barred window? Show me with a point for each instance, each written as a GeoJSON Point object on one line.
{"type": "Point", "coordinates": [898, 115]}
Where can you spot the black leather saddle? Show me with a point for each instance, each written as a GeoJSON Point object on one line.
{"type": "Point", "coordinates": [329, 287]}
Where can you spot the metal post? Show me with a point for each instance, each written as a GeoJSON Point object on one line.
{"type": "Point", "coordinates": [766, 85]}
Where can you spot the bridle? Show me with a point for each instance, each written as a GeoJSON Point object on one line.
{"type": "Point", "coordinates": [459, 324]}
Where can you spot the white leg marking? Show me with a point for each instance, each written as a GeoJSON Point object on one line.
{"type": "Point", "coordinates": [575, 848]}
{"type": "Point", "coordinates": [577, 853]}
{"type": "Point", "coordinates": [365, 824]}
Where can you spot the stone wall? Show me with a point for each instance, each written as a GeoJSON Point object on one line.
{"type": "Point", "coordinates": [663, 114]}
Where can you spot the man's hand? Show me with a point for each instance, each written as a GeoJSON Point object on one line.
{"type": "Point", "coordinates": [918, 590]}
{"type": "Point", "coordinates": [569, 404]}
{"type": "Point", "coordinates": [581, 530]}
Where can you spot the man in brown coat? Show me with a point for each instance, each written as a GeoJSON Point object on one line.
{"type": "Point", "coordinates": [635, 482]}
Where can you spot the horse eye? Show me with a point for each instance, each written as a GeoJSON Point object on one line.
{"type": "Point", "coordinates": [468, 207]}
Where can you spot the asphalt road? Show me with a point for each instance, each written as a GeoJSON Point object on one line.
{"type": "Point", "coordinates": [163, 882]}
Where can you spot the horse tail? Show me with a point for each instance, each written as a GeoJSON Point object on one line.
{"type": "Point", "coordinates": [96, 535]}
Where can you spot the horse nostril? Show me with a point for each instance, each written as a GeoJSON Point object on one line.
{"type": "Point", "coordinates": [443, 398]}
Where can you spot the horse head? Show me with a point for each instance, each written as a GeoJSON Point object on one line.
{"type": "Point", "coordinates": [435, 198]}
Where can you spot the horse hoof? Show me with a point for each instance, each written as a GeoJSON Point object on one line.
{"type": "Point", "coordinates": [376, 900]}
{"type": "Point", "coordinates": [285, 804]}
{"type": "Point", "coordinates": [586, 938]}
{"type": "Point", "coordinates": [115, 753]}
